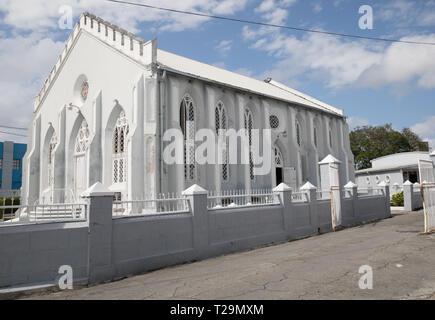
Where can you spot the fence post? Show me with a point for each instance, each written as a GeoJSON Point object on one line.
{"type": "Point", "coordinates": [100, 201]}
{"type": "Point", "coordinates": [284, 193]}
{"type": "Point", "coordinates": [352, 190]}
{"type": "Point", "coordinates": [432, 157]}
{"type": "Point", "coordinates": [408, 197]}
{"type": "Point", "coordinates": [311, 192]}
{"type": "Point", "coordinates": [197, 197]}
{"type": "Point", "coordinates": [386, 187]}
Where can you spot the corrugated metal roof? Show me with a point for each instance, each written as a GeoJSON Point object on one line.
{"type": "Point", "coordinates": [272, 89]}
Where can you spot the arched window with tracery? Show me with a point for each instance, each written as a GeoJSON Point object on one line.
{"type": "Point", "coordinates": [279, 165]}
{"type": "Point", "coordinates": [82, 139]}
{"type": "Point", "coordinates": [249, 123]}
{"type": "Point", "coordinates": [50, 160]}
{"type": "Point", "coordinates": [80, 148]}
{"type": "Point", "coordinates": [221, 127]}
{"type": "Point", "coordinates": [279, 162]}
{"type": "Point", "coordinates": [187, 124]}
{"type": "Point", "coordinates": [119, 149]}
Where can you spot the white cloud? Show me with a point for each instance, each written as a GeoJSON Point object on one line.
{"type": "Point", "coordinates": [406, 13]}
{"type": "Point", "coordinates": [402, 63]}
{"type": "Point", "coordinates": [338, 62]}
{"type": "Point", "coordinates": [44, 14]}
{"type": "Point", "coordinates": [21, 78]}
{"type": "Point", "coordinates": [317, 7]}
{"type": "Point", "coordinates": [354, 122]}
{"type": "Point", "coordinates": [265, 6]}
{"type": "Point", "coordinates": [224, 47]}
{"type": "Point", "coordinates": [426, 130]}
{"type": "Point", "coordinates": [28, 50]}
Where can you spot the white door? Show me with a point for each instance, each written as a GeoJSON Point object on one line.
{"type": "Point", "coordinates": [80, 175]}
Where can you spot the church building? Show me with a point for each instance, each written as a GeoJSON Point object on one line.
{"type": "Point", "coordinates": [108, 101]}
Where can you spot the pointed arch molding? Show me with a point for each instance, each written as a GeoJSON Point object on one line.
{"type": "Point", "coordinates": [47, 159]}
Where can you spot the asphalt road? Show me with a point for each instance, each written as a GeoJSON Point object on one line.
{"type": "Point", "coordinates": [320, 267]}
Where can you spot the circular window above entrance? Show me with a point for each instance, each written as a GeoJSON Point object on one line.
{"type": "Point", "coordinates": [85, 90]}
{"type": "Point", "coordinates": [80, 90]}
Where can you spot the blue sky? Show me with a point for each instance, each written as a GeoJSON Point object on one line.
{"type": "Point", "coordinates": [374, 82]}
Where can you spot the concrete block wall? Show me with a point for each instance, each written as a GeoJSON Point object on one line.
{"type": "Point", "coordinates": [34, 253]}
{"type": "Point", "coordinates": [106, 247]}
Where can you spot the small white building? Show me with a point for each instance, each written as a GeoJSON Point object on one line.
{"type": "Point", "coordinates": [394, 169]}
{"type": "Point", "coordinates": [111, 96]}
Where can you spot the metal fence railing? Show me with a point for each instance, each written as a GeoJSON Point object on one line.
{"type": "Point", "coordinates": [299, 197]}
{"type": "Point", "coordinates": [165, 204]}
{"type": "Point", "coordinates": [17, 213]}
{"type": "Point", "coordinates": [241, 198]}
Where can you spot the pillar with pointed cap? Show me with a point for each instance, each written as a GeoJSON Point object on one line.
{"type": "Point", "coordinates": [197, 197]}
{"type": "Point", "coordinates": [328, 176]}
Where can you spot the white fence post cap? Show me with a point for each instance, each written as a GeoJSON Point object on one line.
{"type": "Point", "coordinates": [350, 185]}
{"type": "Point", "coordinates": [281, 187]}
{"type": "Point", "coordinates": [308, 186]}
{"type": "Point", "coordinates": [407, 183]}
{"type": "Point", "coordinates": [329, 159]}
{"type": "Point", "coordinates": [195, 189]}
{"type": "Point", "coordinates": [97, 189]}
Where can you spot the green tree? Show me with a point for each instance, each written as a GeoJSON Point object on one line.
{"type": "Point", "coordinates": [370, 142]}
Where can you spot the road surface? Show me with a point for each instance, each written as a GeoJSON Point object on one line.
{"type": "Point", "coordinates": [320, 267]}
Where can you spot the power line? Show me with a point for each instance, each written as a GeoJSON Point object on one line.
{"type": "Point", "coordinates": [14, 134]}
{"type": "Point", "coordinates": [16, 128]}
{"type": "Point", "coordinates": [270, 25]}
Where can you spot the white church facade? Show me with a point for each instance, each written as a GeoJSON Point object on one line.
{"type": "Point", "coordinates": [104, 109]}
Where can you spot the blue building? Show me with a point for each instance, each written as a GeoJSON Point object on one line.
{"type": "Point", "coordinates": [11, 166]}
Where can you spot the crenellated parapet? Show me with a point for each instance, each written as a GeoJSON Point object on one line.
{"type": "Point", "coordinates": [135, 47]}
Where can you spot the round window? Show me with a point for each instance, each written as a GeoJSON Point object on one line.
{"type": "Point", "coordinates": [274, 121]}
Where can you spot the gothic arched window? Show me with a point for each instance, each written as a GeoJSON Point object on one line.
{"type": "Point", "coordinates": [221, 127]}
{"type": "Point", "coordinates": [187, 124]}
{"type": "Point", "coordinates": [279, 162]}
{"type": "Point", "coordinates": [119, 151]}
{"type": "Point", "coordinates": [82, 139]}
{"type": "Point", "coordinates": [249, 122]}
{"type": "Point", "coordinates": [315, 136]}
{"type": "Point", "coordinates": [80, 148]}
